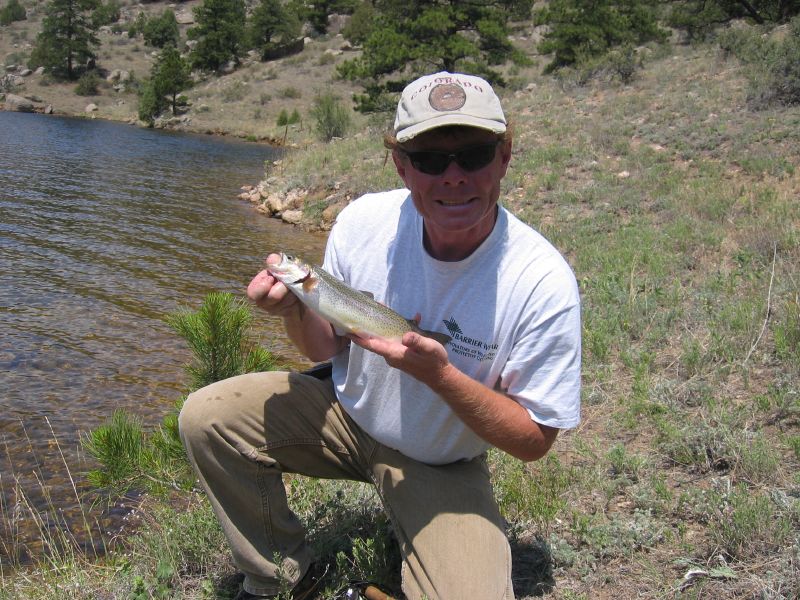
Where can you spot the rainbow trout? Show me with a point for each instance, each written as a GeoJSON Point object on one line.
{"type": "Point", "coordinates": [347, 309]}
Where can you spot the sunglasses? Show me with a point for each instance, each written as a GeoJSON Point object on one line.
{"type": "Point", "coordinates": [435, 162]}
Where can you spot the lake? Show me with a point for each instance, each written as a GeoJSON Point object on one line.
{"type": "Point", "coordinates": [105, 229]}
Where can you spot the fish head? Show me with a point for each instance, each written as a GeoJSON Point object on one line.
{"type": "Point", "coordinates": [291, 270]}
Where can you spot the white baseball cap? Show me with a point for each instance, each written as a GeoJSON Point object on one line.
{"type": "Point", "coordinates": [447, 99]}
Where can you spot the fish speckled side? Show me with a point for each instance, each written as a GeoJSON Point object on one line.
{"type": "Point", "coordinates": [347, 309]}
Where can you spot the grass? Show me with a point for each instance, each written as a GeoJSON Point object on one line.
{"type": "Point", "coordinates": [677, 207]}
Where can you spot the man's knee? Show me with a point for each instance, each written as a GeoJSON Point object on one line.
{"type": "Point", "coordinates": [196, 416]}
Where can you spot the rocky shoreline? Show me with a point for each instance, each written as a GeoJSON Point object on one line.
{"type": "Point", "coordinates": [310, 209]}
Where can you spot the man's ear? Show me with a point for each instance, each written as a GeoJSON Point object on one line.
{"type": "Point", "coordinates": [400, 164]}
{"type": "Point", "coordinates": [505, 155]}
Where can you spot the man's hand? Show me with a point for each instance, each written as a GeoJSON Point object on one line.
{"type": "Point", "coordinates": [495, 417]}
{"type": "Point", "coordinates": [269, 294]}
{"type": "Point", "coordinates": [421, 357]}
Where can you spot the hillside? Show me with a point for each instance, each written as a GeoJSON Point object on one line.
{"type": "Point", "coordinates": [675, 202]}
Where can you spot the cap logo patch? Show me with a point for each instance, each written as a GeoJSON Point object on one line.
{"type": "Point", "coordinates": [447, 96]}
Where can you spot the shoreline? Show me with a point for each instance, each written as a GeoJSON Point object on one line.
{"type": "Point", "coordinates": [183, 127]}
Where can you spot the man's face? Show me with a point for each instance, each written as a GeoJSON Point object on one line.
{"type": "Point", "coordinates": [458, 205]}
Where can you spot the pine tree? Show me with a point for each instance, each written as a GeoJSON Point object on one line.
{"type": "Point", "coordinates": [411, 37]}
{"type": "Point", "coordinates": [698, 18]}
{"type": "Point", "coordinates": [13, 11]}
{"type": "Point", "coordinates": [171, 75]}
{"type": "Point", "coordinates": [168, 77]}
{"type": "Point", "coordinates": [161, 30]}
{"type": "Point", "coordinates": [219, 33]}
{"type": "Point", "coordinates": [65, 43]}
{"type": "Point", "coordinates": [580, 30]}
{"type": "Point", "coordinates": [272, 25]}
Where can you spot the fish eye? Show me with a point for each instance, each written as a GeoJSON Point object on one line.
{"type": "Point", "coordinates": [290, 257]}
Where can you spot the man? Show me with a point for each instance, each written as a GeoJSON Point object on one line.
{"type": "Point", "coordinates": [415, 418]}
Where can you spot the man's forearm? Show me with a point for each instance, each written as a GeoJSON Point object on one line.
{"type": "Point", "coordinates": [493, 416]}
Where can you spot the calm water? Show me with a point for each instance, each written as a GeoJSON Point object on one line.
{"type": "Point", "coordinates": [104, 230]}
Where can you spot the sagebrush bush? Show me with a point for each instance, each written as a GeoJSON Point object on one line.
{"type": "Point", "coordinates": [773, 61]}
{"type": "Point", "coordinates": [88, 84]}
{"type": "Point", "coordinates": [331, 117]}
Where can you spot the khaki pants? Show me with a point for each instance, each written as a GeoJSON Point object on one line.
{"type": "Point", "coordinates": [241, 434]}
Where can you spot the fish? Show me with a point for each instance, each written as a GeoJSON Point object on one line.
{"type": "Point", "coordinates": [347, 309]}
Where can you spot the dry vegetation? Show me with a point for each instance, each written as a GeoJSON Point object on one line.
{"type": "Point", "coordinates": [677, 207]}
{"type": "Point", "coordinates": [245, 103]}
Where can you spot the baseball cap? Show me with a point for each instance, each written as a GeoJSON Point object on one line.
{"type": "Point", "coordinates": [447, 99]}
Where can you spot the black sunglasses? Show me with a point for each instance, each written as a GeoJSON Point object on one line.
{"type": "Point", "coordinates": [435, 162]}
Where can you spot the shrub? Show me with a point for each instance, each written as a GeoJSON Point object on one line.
{"type": "Point", "coordinates": [87, 84]}
{"type": "Point", "coordinates": [332, 119]}
{"type": "Point", "coordinates": [774, 64]}
{"type": "Point", "coordinates": [150, 102]}
{"type": "Point", "coordinates": [219, 337]}
{"type": "Point", "coordinates": [105, 14]}
{"type": "Point", "coordinates": [13, 11]}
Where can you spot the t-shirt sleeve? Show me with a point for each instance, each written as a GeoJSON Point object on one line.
{"type": "Point", "coordinates": [543, 370]}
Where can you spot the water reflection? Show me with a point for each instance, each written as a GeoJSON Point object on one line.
{"type": "Point", "coordinates": [104, 230]}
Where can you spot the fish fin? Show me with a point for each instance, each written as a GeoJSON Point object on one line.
{"type": "Point", "coordinates": [442, 338]}
{"type": "Point", "coordinates": [309, 284]}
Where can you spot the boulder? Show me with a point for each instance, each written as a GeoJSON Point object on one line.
{"type": "Point", "coordinates": [18, 103]}
{"type": "Point", "coordinates": [184, 17]}
{"type": "Point", "coordinates": [292, 216]}
{"type": "Point", "coordinates": [90, 108]}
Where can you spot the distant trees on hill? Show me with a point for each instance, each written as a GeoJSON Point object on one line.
{"type": "Point", "coordinates": [400, 39]}
{"type": "Point", "coordinates": [13, 11]}
{"type": "Point", "coordinates": [67, 40]}
{"type": "Point", "coordinates": [404, 38]}
{"type": "Point", "coordinates": [219, 33]}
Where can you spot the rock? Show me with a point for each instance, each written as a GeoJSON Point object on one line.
{"type": "Point", "coordinates": [90, 108]}
{"type": "Point", "coordinates": [184, 17]}
{"type": "Point", "coordinates": [114, 76]}
{"type": "Point", "coordinates": [25, 72]}
{"type": "Point", "coordinates": [39, 71]}
{"type": "Point", "coordinates": [292, 216]}
{"type": "Point", "coordinates": [18, 103]}
{"type": "Point", "coordinates": [330, 213]}
{"type": "Point", "coordinates": [48, 110]}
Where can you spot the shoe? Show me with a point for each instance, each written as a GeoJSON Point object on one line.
{"type": "Point", "coordinates": [305, 589]}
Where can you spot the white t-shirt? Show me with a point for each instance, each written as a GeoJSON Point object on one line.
{"type": "Point", "coordinates": [511, 307]}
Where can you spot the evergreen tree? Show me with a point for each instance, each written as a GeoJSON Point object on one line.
{"type": "Point", "coordinates": [13, 11]}
{"type": "Point", "coordinates": [409, 37]}
{"type": "Point", "coordinates": [315, 12]}
{"type": "Point", "coordinates": [168, 77]}
{"type": "Point", "coordinates": [162, 30]}
{"type": "Point", "coordinates": [581, 30]}
{"type": "Point", "coordinates": [219, 33]}
{"type": "Point", "coordinates": [105, 14]}
{"type": "Point", "coordinates": [65, 43]}
{"type": "Point", "coordinates": [700, 17]}
{"type": "Point", "coordinates": [272, 25]}
{"type": "Point", "coordinates": [171, 75]}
